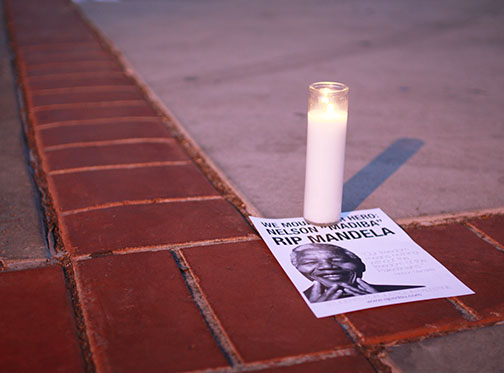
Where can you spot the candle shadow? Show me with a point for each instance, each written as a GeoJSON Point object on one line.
{"type": "Point", "coordinates": [366, 181]}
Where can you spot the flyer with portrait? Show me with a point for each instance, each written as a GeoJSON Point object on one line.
{"type": "Point", "coordinates": [364, 261]}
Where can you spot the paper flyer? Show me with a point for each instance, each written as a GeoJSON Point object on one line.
{"type": "Point", "coordinates": [364, 261]}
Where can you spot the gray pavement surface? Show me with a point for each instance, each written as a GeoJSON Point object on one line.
{"type": "Point", "coordinates": [235, 75]}
{"type": "Point", "coordinates": [21, 232]}
{"type": "Point", "coordinates": [426, 113]}
{"type": "Point", "coordinates": [471, 351]}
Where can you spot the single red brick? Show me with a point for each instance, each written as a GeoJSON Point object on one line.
{"type": "Point", "coordinates": [261, 311]}
{"type": "Point", "coordinates": [97, 112]}
{"type": "Point", "coordinates": [32, 7]}
{"type": "Point", "coordinates": [36, 322]}
{"type": "Point", "coordinates": [52, 136]}
{"type": "Point", "coordinates": [79, 53]}
{"type": "Point", "coordinates": [55, 20]}
{"type": "Point", "coordinates": [99, 80]}
{"type": "Point", "coordinates": [72, 68]}
{"type": "Point", "coordinates": [151, 225]}
{"type": "Point", "coordinates": [115, 154]}
{"type": "Point", "coordinates": [342, 364]}
{"type": "Point", "coordinates": [93, 188]}
{"type": "Point", "coordinates": [140, 315]}
{"type": "Point", "coordinates": [64, 33]}
{"type": "Point", "coordinates": [29, 21]}
{"type": "Point", "coordinates": [405, 321]}
{"type": "Point", "coordinates": [492, 225]}
{"type": "Point", "coordinates": [97, 95]}
{"type": "Point", "coordinates": [476, 263]}
{"type": "Point", "coordinates": [64, 47]}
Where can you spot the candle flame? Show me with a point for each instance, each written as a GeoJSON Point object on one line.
{"type": "Point", "coordinates": [324, 99]}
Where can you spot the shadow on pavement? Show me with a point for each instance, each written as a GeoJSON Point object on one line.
{"type": "Point", "coordinates": [366, 181]}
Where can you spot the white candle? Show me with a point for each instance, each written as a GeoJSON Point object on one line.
{"type": "Point", "coordinates": [325, 157]}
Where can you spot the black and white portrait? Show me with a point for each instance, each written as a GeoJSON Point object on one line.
{"type": "Point", "coordinates": [336, 273]}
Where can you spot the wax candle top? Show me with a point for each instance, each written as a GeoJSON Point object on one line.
{"type": "Point", "coordinates": [329, 97]}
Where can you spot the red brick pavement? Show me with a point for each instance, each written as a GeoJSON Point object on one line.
{"type": "Point", "coordinates": [39, 332]}
{"type": "Point", "coordinates": [159, 270]}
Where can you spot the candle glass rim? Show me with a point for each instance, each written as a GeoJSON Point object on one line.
{"type": "Point", "coordinates": [334, 87]}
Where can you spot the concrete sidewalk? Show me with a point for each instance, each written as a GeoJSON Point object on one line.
{"type": "Point", "coordinates": [235, 74]}
{"type": "Point", "coordinates": [152, 264]}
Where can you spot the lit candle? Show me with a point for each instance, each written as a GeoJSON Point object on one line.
{"type": "Point", "coordinates": [325, 152]}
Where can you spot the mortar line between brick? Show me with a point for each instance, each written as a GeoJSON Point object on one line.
{"type": "Point", "coordinates": [97, 121]}
{"type": "Point", "coordinates": [460, 217]}
{"type": "Point", "coordinates": [22, 264]}
{"type": "Point", "coordinates": [86, 74]}
{"type": "Point", "coordinates": [119, 167]}
{"type": "Point", "coordinates": [102, 123]}
{"type": "Point", "coordinates": [191, 244]}
{"type": "Point", "coordinates": [467, 312]}
{"type": "Point", "coordinates": [44, 46]}
{"type": "Point", "coordinates": [371, 353]}
{"type": "Point", "coordinates": [84, 89]}
{"type": "Point", "coordinates": [164, 247]}
{"type": "Point", "coordinates": [94, 59]}
{"type": "Point", "coordinates": [92, 70]}
{"type": "Point", "coordinates": [484, 236]}
{"type": "Point", "coordinates": [88, 104]}
{"type": "Point", "coordinates": [350, 329]}
{"type": "Point", "coordinates": [286, 361]}
{"type": "Point", "coordinates": [27, 71]}
{"type": "Point", "coordinates": [88, 89]}
{"type": "Point", "coordinates": [216, 328]}
{"type": "Point", "coordinates": [87, 144]}
{"type": "Point", "coordinates": [140, 202]}
{"type": "Point", "coordinates": [377, 344]}
{"type": "Point", "coordinates": [84, 341]}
